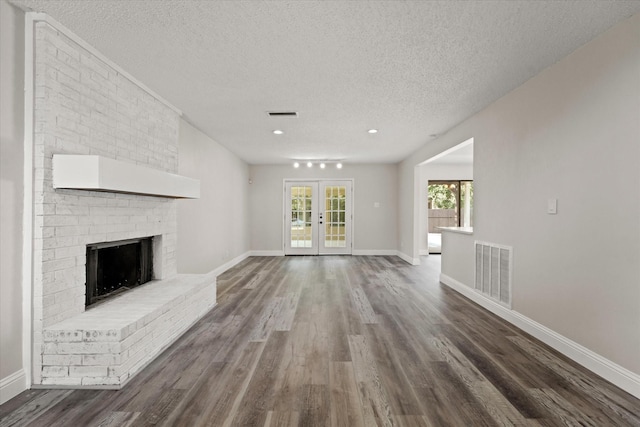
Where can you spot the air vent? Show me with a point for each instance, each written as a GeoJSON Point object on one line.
{"type": "Point", "coordinates": [493, 271]}
{"type": "Point", "coordinates": [282, 113]}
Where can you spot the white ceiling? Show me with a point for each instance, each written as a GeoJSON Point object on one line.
{"type": "Point", "coordinates": [411, 69]}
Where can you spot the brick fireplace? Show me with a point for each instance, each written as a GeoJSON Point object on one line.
{"type": "Point", "coordinates": [85, 105]}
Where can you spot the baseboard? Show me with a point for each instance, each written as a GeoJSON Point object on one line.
{"type": "Point", "coordinates": [266, 253]}
{"type": "Point", "coordinates": [374, 252]}
{"type": "Point", "coordinates": [357, 252]}
{"type": "Point", "coordinates": [407, 258]}
{"type": "Point", "coordinates": [610, 371]}
{"type": "Point", "coordinates": [12, 386]}
{"type": "Point", "coordinates": [227, 265]}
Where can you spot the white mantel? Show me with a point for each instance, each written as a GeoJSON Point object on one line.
{"type": "Point", "coordinates": [99, 173]}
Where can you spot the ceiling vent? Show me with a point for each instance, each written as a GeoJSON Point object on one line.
{"type": "Point", "coordinates": [282, 113]}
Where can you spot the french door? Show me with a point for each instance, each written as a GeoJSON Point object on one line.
{"type": "Point", "coordinates": [317, 217]}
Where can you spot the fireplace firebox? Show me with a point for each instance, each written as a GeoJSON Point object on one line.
{"type": "Point", "coordinates": [114, 267]}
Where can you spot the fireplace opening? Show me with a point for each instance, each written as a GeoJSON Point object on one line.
{"type": "Point", "coordinates": [115, 267]}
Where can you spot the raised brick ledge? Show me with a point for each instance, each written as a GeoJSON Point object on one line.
{"type": "Point", "coordinates": [106, 345]}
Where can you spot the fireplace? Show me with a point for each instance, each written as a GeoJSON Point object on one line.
{"type": "Point", "coordinates": [115, 267]}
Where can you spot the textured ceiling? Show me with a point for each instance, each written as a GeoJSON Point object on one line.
{"type": "Point", "coordinates": [410, 69]}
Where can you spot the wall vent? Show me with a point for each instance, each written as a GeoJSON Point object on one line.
{"type": "Point", "coordinates": [493, 271]}
{"type": "Point", "coordinates": [282, 113]}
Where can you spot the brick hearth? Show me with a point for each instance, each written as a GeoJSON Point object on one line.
{"type": "Point", "coordinates": [109, 343]}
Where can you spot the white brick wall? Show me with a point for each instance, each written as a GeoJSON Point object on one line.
{"type": "Point", "coordinates": [85, 106]}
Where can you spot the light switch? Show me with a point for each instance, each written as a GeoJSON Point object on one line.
{"type": "Point", "coordinates": [552, 206]}
{"type": "Point", "coordinates": [376, 204]}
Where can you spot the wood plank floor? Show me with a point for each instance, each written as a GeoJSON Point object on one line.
{"type": "Point", "coordinates": [342, 341]}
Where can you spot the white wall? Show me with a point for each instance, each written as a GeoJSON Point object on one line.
{"type": "Point", "coordinates": [570, 133]}
{"type": "Point", "coordinates": [436, 172]}
{"type": "Point", "coordinates": [212, 230]}
{"type": "Point", "coordinates": [11, 193]}
{"type": "Point", "coordinates": [374, 228]}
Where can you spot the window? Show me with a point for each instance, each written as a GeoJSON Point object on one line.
{"type": "Point", "coordinates": [452, 201]}
{"type": "Point", "coordinates": [450, 204]}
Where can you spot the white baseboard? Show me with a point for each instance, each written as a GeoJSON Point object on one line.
{"type": "Point", "coordinates": [227, 265]}
{"type": "Point", "coordinates": [610, 371]}
{"type": "Point", "coordinates": [357, 252]}
{"type": "Point", "coordinates": [407, 258]}
{"type": "Point", "coordinates": [12, 386]}
{"type": "Point", "coordinates": [374, 252]}
{"type": "Point", "coordinates": [266, 253]}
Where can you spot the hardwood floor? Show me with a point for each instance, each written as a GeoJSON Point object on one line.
{"type": "Point", "coordinates": [342, 341]}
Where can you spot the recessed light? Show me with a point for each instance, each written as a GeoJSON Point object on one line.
{"type": "Point", "coordinates": [373, 131]}
{"type": "Point", "coordinates": [322, 165]}
{"type": "Point", "coordinates": [309, 164]}
{"type": "Point", "coordinates": [296, 165]}
{"type": "Point", "coordinates": [339, 165]}
{"type": "Point", "coordinates": [278, 132]}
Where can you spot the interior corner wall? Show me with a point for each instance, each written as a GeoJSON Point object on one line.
{"type": "Point", "coordinates": [571, 133]}
{"type": "Point", "coordinates": [435, 171]}
{"type": "Point", "coordinates": [11, 190]}
{"type": "Point", "coordinates": [214, 229]}
{"type": "Point", "coordinates": [374, 228]}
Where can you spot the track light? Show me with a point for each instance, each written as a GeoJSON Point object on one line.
{"type": "Point", "coordinates": [321, 163]}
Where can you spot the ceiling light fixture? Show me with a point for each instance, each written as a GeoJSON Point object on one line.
{"type": "Point", "coordinates": [373, 131]}
{"type": "Point", "coordinates": [321, 163]}
{"type": "Point", "coordinates": [278, 132]}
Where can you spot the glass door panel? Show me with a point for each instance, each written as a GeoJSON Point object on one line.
{"type": "Point", "coordinates": [335, 233]}
{"type": "Point", "coordinates": [302, 228]}
{"type": "Point", "coordinates": [466, 203]}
